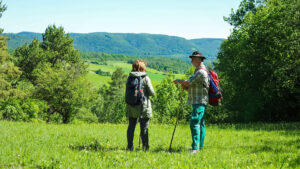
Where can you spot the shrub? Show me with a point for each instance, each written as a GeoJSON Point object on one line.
{"type": "Point", "coordinates": [85, 115]}
{"type": "Point", "coordinates": [23, 110]}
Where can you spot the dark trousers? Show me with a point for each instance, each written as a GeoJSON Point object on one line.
{"type": "Point", "coordinates": [144, 124]}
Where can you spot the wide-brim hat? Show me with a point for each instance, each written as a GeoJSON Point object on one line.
{"type": "Point", "coordinates": [197, 54]}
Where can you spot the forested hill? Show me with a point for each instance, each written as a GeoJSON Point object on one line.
{"type": "Point", "coordinates": [131, 44]}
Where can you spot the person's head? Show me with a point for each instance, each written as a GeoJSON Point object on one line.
{"type": "Point", "coordinates": [197, 58]}
{"type": "Point", "coordinates": [139, 66]}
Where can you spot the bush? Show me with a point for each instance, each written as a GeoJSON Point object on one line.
{"type": "Point", "coordinates": [216, 114]}
{"type": "Point", "coordinates": [55, 118]}
{"type": "Point", "coordinates": [102, 73]}
{"type": "Point", "coordinates": [23, 110]}
{"type": "Point", "coordinates": [94, 62]}
{"type": "Point", "coordinates": [13, 111]}
{"type": "Point", "coordinates": [85, 115]}
{"type": "Point", "coordinates": [166, 102]}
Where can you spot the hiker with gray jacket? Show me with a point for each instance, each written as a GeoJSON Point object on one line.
{"type": "Point", "coordinates": [138, 91]}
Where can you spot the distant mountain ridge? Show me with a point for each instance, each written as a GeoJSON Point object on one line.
{"type": "Point", "coordinates": [130, 44]}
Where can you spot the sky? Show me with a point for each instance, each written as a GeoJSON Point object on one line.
{"type": "Point", "coordinates": [190, 19]}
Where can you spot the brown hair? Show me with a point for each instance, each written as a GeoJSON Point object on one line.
{"type": "Point", "coordinates": [139, 66]}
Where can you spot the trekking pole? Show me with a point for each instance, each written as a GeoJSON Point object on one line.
{"type": "Point", "coordinates": [180, 98]}
{"type": "Point", "coordinates": [170, 147]}
{"type": "Point", "coordinates": [139, 140]}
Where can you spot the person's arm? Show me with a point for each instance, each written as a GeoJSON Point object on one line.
{"type": "Point", "coordinates": [149, 86]}
{"type": "Point", "coordinates": [198, 78]}
{"type": "Point", "coordinates": [184, 83]}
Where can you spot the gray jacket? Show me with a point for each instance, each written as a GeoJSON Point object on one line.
{"type": "Point", "coordinates": [134, 111]}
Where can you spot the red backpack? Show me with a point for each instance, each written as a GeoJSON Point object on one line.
{"type": "Point", "coordinates": [214, 92]}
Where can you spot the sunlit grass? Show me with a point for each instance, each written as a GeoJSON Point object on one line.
{"type": "Point", "coordinates": [33, 145]}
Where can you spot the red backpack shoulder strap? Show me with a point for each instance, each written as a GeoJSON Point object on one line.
{"type": "Point", "coordinates": [205, 70]}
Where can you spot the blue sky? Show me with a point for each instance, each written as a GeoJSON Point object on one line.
{"type": "Point", "coordinates": [185, 18]}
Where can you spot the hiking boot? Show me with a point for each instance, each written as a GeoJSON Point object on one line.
{"type": "Point", "coordinates": [146, 148]}
{"type": "Point", "coordinates": [130, 148]}
{"type": "Point", "coordinates": [194, 151]}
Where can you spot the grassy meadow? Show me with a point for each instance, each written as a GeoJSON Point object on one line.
{"type": "Point", "coordinates": [36, 145]}
{"type": "Point", "coordinates": [98, 80]}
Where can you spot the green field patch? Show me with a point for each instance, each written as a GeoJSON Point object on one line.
{"type": "Point", "coordinates": [98, 80]}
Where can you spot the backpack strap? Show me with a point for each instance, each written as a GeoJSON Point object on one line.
{"type": "Point", "coordinates": [212, 83]}
{"type": "Point", "coordinates": [140, 83]}
{"type": "Point", "coordinates": [208, 73]}
{"type": "Point", "coordinates": [205, 70]}
{"type": "Point", "coordinates": [142, 91]}
{"type": "Point", "coordinates": [142, 78]}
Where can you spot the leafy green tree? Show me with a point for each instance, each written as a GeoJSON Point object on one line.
{"type": "Point", "coordinates": [112, 99]}
{"type": "Point", "coordinates": [55, 69]}
{"type": "Point", "coordinates": [56, 47]}
{"type": "Point", "coordinates": [64, 91]}
{"type": "Point", "coordinates": [13, 102]}
{"type": "Point", "coordinates": [260, 62]}
{"type": "Point", "coordinates": [3, 8]}
{"type": "Point", "coordinates": [60, 45]}
{"type": "Point", "coordinates": [168, 100]}
{"type": "Point", "coordinates": [28, 57]}
{"type": "Point", "coordinates": [9, 73]}
{"type": "Point", "coordinates": [236, 18]}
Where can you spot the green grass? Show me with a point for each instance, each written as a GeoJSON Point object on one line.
{"type": "Point", "coordinates": [98, 80]}
{"type": "Point", "coordinates": [34, 145]}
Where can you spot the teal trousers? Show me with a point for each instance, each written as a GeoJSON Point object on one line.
{"type": "Point", "coordinates": [197, 126]}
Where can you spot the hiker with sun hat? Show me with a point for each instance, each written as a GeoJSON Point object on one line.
{"type": "Point", "coordinates": [198, 87]}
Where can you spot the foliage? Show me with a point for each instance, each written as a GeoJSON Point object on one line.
{"type": "Point", "coordinates": [57, 72]}
{"type": "Point", "coordinates": [110, 106]}
{"type": "Point", "coordinates": [237, 18]}
{"type": "Point", "coordinates": [260, 63]}
{"type": "Point", "coordinates": [85, 115]}
{"type": "Point", "coordinates": [169, 102]}
{"type": "Point", "coordinates": [9, 73]}
{"type": "Point", "coordinates": [56, 47]}
{"type": "Point", "coordinates": [100, 72]}
{"type": "Point", "coordinates": [3, 8]}
{"type": "Point", "coordinates": [28, 57]}
{"type": "Point", "coordinates": [64, 90]}
{"type": "Point", "coordinates": [23, 110]}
